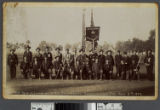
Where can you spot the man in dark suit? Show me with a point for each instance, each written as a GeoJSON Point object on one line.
{"type": "Point", "coordinates": [58, 54]}
{"type": "Point", "coordinates": [134, 65]}
{"type": "Point", "coordinates": [126, 67]}
{"type": "Point", "coordinates": [27, 56]}
{"type": "Point", "coordinates": [47, 63]}
{"type": "Point", "coordinates": [101, 61]}
{"type": "Point", "coordinates": [109, 63]}
{"type": "Point", "coordinates": [118, 59]}
{"type": "Point", "coordinates": [48, 54]}
{"type": "Point", "coordinates": [149, 62]}
{"type": "Point", "coordinates": [58, 69]}
{"type": "Point", "coordinates": [12, 62]}
{"type": "Point", "coordinates": [82, 61]}
{"type": "Point", "coordinates": [37, 64]}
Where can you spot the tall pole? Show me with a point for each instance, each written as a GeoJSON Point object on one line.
{"type": "Point", "coordinates": [92, 21]}
{"type": "Point", "coordinates": [83, 29]}
{"type": "Point", "coordinates": [92, 25]}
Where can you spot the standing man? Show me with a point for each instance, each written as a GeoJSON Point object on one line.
{"type": "Point", "coordinates": [93, 58]}
{"type": "Point", "coordinates": [101, 61]}
{"type": "Point", "coordinates": [134, 65]}
{"type": "Point", "coordinates": [75, 55]}
{"type": "Point", "coordinates": [149, 62]}
{"type": "Point", "coordinates": [118, 61]}
{"type": "Point", "coordinates": [37, 63]}
{"type": "Point", "coordinates": [12, 62]}
{"type": "Point", "coordinates": [69, 64]}
{"type": "Point", "coordinates": [47, 63]}
{"type": "Point", "coordinates": [126, 67]}
{"type": "Point", "coordinates": [57, 65]}
{"type": "Point", "coordinates": [109, 63]}
{"type": "Point", "coordinates": [82, 60]}
{"type": "Point", "coordinates": [58, 54]}
{"type": "Point", "coordinates": [28, 57]}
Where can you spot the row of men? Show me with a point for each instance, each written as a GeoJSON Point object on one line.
{"type": "Point", "coordinates": [82, 66]}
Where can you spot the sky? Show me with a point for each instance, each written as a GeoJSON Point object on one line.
{"type": "Point", "coordinates": [63, 25]}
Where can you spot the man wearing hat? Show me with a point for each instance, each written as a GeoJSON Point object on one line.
{"type": "Point", "coordinates": [101, 61]}
{"type": "Point", "coordinates": [108, 66]}
{"type": "Point", "coordinates": [48, 54]}
{"type": "Point", "coordinates": [69, 57]}
{"type": "Point", "coordinates": [12, 62]}
{"type": "Point", "coordinates": [149, 62]}
{"type": "Point", "coordinates": [126, 67]}
{"type": "Point", "coordinates": [118, 60]}
{"type": "Point", "coordinates": [82, 58]}
{"type": "Point", "coordinates": [47, 63]}
{"type": "Point", "coordinates": [134, 65]}
{"type": "Point", "coordinates": [39, 55]}
{"type": "Point", "coordinates": [28, 57]}
{"type": "Point", "coordinates": [58, 54]}
{"type": "Point", "coordinates": [75, 55]}
{"type": "Point", "coordinates": [37, 63]}
{"type": "Point", "coordinates": [90, 58]}
{"type": "Point", "coordinates": [93, 56]}
{"type": "Point", "coordinates": [57, 69]}
{"type": "Point", "coordinates": [95, 68]}
{"type": "Point", "coordinates": [69, 64]}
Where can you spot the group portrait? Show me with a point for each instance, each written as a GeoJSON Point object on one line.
{"type": "Point", "coordinates": [80, 51]}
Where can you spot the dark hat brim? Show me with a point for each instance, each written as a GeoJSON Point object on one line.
{"type": "Point", "coordinates": [28, 47]}
{"type": "Point", "coordinates": [101, 51]}
{"type": "Point", "coordinates": [81, 50]}
{"type": "Point", "coordinates": [38, 49]}
{"type": "Point", "coordinates": [108, 51]}
{"type": "Point", "coordinates": [57, 48]}
{"type": "Point", "coordinates": [47, 47]}
{"type": "Point", "coordinates": [12, 50]}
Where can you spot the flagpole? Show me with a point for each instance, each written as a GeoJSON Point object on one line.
{"type": "Point", "coordinates": [83, 29]}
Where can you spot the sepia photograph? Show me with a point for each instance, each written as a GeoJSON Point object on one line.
{"type": "Point", "coordinates": [80, 51]}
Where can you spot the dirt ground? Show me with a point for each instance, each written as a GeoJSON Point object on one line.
{"type": "Point", "coordinates": [82, 87]}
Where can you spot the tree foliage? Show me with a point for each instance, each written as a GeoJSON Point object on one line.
{"type": "Point", "coordinates": [137, 44]}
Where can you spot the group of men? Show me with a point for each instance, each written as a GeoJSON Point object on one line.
{"type": "Point", "coordinates": [94, 65]}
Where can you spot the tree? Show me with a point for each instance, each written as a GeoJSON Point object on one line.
{"type": "Point", "coordinates": [150, 43]}
{"type": "Point", "coordinates": [137, 44]}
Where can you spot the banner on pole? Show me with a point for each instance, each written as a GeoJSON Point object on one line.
{"type": "Point", "coordinates": [92, 33]}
